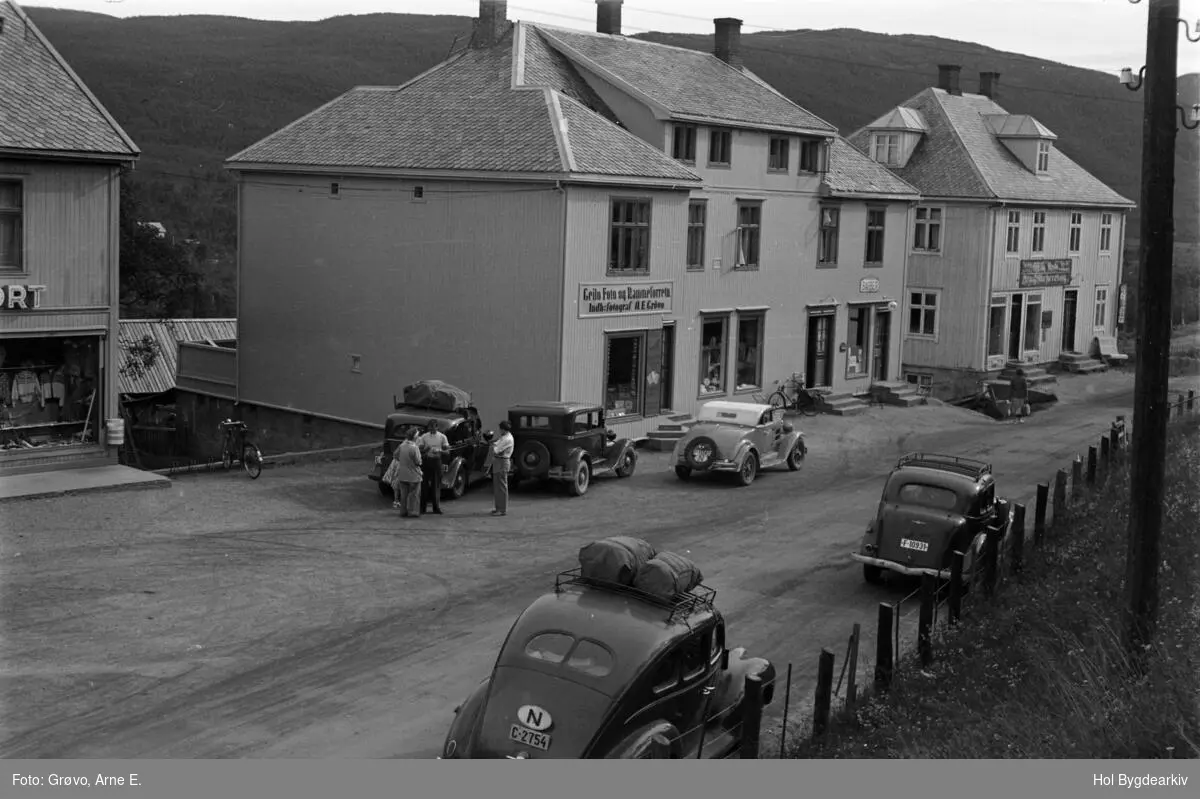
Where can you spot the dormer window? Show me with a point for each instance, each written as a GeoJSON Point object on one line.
{"type": "Point", "coordinates": [1043, 156]}
{"type": "Point", "coordinates": [887, 148]}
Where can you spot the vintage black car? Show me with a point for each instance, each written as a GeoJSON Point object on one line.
{"type": "Point", "coordinates": [602, 670]}
{"type": "Point", "coordinates": [461, 426]}
{"type": "Point", "coordinates": [932, 506]}
{"type": "Point", "coordinates": [567, 442]}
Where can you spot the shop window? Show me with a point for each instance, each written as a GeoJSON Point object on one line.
{"type": "Point", "coordinates": [714, 331]}
{"type": "Point", "coordinates": [11, 217]}
{"type": "Point", "coordinates": [697, 218]}
{"type": "Point", "coordinates": [827, 252]}
{"type": "Point", "coordinates": [922, 314]}
{"type": "Point", "coordinates": [875, 222]}
{"type": "Point", "coordinates": [777, 154]}
{"type": "Point", "coordinates": [856, 340]}
{"type": "Point", "coordinates": [683, 143]}
{"type": "Point", "coordinates": [1033, 321]}
{"type": "Point", "coordinates": [749, 233]}
{"type": "Point", "coordinates": [720, 147]}
{"type": "Point", "coordinates": [927, 232]}
{"type": "Point", "coordinates": [629, 243]}
{"type": "Point", "coordinates": [996, 325]}
{"type": "Point", "coordinates": [50, 393]}
{"type": "Point", "coordinates": [623, 375]}
{"type": "Point", "coordinates": [749, 351]}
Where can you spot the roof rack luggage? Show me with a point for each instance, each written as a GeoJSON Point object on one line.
{"type": "Point", "coordinates": [947, 463]}
{"type": "Point", "coordinates": [683, 605]}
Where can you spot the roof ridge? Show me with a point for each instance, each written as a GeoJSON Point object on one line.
{"type": "Point", "coordinates": [747, 72]}
{"type": "Point", "coordinates": [937, 98]}
{"type": "Point", "coordinates": [605, 73]}
{"type": "Point", "coordinates": [79, 84]}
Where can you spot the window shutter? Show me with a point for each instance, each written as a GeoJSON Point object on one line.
{"type": "Point", "coordinates": [653, 372]}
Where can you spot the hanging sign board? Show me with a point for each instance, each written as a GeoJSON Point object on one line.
{"type": "Point", "coordinates": [1040, 272]}
{"type": "Point", "coordinates": [625, 299]}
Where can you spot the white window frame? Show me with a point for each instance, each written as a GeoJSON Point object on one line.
{"type": "Point", "coordinates": [778, 153]}
{"type": "Point", "coordinates": [925, 309]}
{"type": "Point", "coordinates": [1043, 156]}
{"type": "Point", "coordinates": [749, 235]}
{"type": "Point", "coordinates": [875, 234]}
{"type": "Point", "coordinates": [21, 265]}
{"type": "Point", "coordinates": [824, 259]}
{"type": "Point", "coordinates": [1002, 301]}
{"type": "Point", "coordinates": [1032, 300]}
{"type": "Point", "coordinates": [886, 147]}
{"type": "Point", "coordinates": [1012, 234]}
{"type": "Point", "coordinates": [1037, 242]}
{"type": "Point", "coordinates": [1106, 226]}
{"type": "Point", "coordinates": [925, 225]}
{"type": "Point", "coordinates": [1075, 238]}
{"type": "Point", "coordinates": [1100, 299]}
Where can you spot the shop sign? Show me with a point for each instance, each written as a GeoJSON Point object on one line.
{"type": "Point", "coordinates": [1040, 272]}
{"type": "Point", "coordinates": [625, 299]}
{"type": "Point", "coordinates": [868, 285]}
{"type": "Point", "coordinates": [1121, 304]}
{"type": "Point", "coordinates": [20, 297]}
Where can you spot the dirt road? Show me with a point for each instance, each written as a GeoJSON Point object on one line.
{"type": "Point", "coordinates": [298, 616]}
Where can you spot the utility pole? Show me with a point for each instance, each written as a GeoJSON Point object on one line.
{"type": "Point", "coordinates": [1150, 409]}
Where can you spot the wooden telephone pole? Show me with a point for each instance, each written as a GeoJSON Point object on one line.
{"type": "Point", "coordinates": [1150, 410]}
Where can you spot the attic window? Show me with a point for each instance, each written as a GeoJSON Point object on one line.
{"type": "Point", "coordinates": [335, 190]}
{"type": "Point", "coordinates": [887, 148]}
{"type": "Point", "coordinates": [1043, 158]}
{"type": "Point", "coordinates": [418, 192]}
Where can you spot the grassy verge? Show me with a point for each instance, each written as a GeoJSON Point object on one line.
{"type": "Point", "coordinates": [1039, 671]}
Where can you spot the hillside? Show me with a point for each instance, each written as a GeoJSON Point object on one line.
{"type": "Point", "coordinates": [193, 90]}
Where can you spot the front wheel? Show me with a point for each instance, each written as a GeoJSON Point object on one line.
{"type": "Point", "coordinates": [627, 465]}
{"type": "Point", "coordinates": [749, 470]}
{"type": "Point", "coordinates": [459, 486]}
{"type": "Point", "coordinates": [809, 405]}
{"type": "Point", "coordinates": [252, 461]}
{"type": "Point", "coordinates": [796, 456]}
{"type": "Point", "coordinates": [226, 458]}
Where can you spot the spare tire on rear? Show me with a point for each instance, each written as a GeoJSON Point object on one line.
{"type": "Point", "coordinates": [615, 560]}
{"type": "Point", "coordinates": [532, 459]}
{"type": "Point", "coordinates": [700, 453]}
{"type": "Point", "coordinates": [667, 575]}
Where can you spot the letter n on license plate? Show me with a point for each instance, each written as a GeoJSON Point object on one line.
{"type": "Point", "coordinates": [528, 737]}
{"type": "Point", "coordinates": [919, 546]}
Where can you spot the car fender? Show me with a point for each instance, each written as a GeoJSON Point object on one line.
{"type": "Point", "coordinates": [451, 473]}
{"type": "Point", "coordinates": [744, 448]}
{"type": "Point", "coordinates": [788, 440]}
{"type": "Point", "coordinates": [632, 742]}
{"type": "Point", "coordinates": [575, 456]}
{"type": "Point", "coordinates": [617, 450]}
{"type": "Point", "coordinates": [460, 739]}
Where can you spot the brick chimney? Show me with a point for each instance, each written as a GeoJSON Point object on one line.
{"type": "Point", "coordinates": [948, 78]}
{"type": "Point", "coordinates": [608, 16]}
{"type": "Point", "coordinates": [728, 44]}
{"type": "Point", "coordinates": [491, 25]}
{"type": "Point", "coordinates": [988, 84]}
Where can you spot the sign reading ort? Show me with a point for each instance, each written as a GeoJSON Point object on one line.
{"type": "Point", "coordinates": [22, 297]}
{"type": "Point", "coordinates": [623, 299]}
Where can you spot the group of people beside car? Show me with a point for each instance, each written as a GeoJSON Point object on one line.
{"type": "Point", "coordinates": [415, 473]}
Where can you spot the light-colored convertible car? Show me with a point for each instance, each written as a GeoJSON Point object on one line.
{"type": "Point", "coordinates": [738, 437]}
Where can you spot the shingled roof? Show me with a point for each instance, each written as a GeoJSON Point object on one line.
{"type": "Point", "coordinates": [473, 113]}
{"type": "Point", "coordinates": [47, 109]}
{"type": "Point", "coordinates": [960, 156]}
{"type": "Point", "coordinates": [851, 173]}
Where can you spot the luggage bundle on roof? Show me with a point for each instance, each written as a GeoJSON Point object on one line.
{"type": "Point", "coordinates": [436, 395]}
{"type": "Point", "coordinates": [635, 563]}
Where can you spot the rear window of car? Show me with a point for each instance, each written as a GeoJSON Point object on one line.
{"type": "Point", "coordinates": [533, 422]}
{"type": "Point", "coordinates": [927, 496]}
{"type": "Point", "coordinates": [583, 655]}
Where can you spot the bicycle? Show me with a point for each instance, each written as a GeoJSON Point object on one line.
{"type": "Point", "coordinates": [804, 400]}
{"type": "Point", "coordinates": [244, 451]}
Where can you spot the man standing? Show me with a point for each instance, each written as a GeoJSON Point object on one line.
{"type": "Point", "coordinates": [502, 450]}
{"type": "Point", "coordinates": [1020, 396]}
{"type": "Point", "coordinates": [408, 474]}
{"type": "Point", "coordinates": [434, 447]}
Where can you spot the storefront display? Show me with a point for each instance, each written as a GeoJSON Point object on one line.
{"type": "Point", "coordinates": [49, 392]}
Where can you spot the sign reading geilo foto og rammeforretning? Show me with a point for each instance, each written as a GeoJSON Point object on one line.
{"type": "Point", "coordinates": [1040, 272]}
{"type": "Point", "coordinates": [623, 299]}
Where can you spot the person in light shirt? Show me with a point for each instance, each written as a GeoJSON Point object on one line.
{"type": "Point", "coordinates": [502, 451]}
{"type": "Point", "coordinates": [434, 447]}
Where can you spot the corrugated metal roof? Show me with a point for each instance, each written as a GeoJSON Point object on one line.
{"type": "Point", "coordinates": [167, 334]}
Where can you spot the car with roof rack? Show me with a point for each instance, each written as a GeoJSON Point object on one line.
{"type": "Point", "coordinates": [739, 438]}
{"type": "Point", "coordinates": [932, 506]}
{"type": "Point", "coordinates": [600, 669]}
{"type": "Point", "coordinates": [566, 442]}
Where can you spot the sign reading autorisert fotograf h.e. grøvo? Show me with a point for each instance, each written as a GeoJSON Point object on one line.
{"type": "Point", "coordinates": [623, 299]}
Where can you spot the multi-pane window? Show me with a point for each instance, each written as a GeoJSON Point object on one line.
{"type": "Point", "coordinates": [887, 148]}
{"type": "Point", "coordinates": [683, 143]}
{"type": "Point", "coordinates": [927, 231]}
{"type": "Point", "coordinates": [1101, 316]}
{"type": "Point", "coordinates": [1033, 321]}
{"type": "Point", "coordinates": [629, 242]}
{"type": "Point", "coordinates": [749, 233]}
{"type": "Point", "coordinates": [623, 374]}
{"type": "Point", "coordinates": [720, 147]}
{"type": "Point", "coordinates": [922, 313]}
{"type": "Point", "coordinates": [777, 155]}
{"type": "Point", "coordinates": [827, 249]}
{"type": "Point", "coordinates": [1039, 232]}
{"type": "Point", "coordinates": [1043, 156]}
{"type": "Point", "coordinates": [11, 213]}
{"type": "Point", "coordinates": [875, 222]}
{"type": "Point", "coordinates": [1105, 232]}
{"type": "Point", "coordinates": [1076, 236]}
{"type": "Point", "coordinates": [697, 217]}
{"type": "Point", "coordinates": [1012, 242]}
{"type": "Point", "coordinates": [749, 351]}
{"type": "Point", "coordinates": [810, 155]}
{"type": "Point", "coordinates": [714, 331]}
{"type": "Point", "coordinates": [996, 318]}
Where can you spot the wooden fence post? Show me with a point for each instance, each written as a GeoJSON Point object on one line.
{"type": "Point", "coordinates": [1076, 479]}
{"type": "Point", "coordinates": [1039, 514]}
{"type": "Point", "coordinates": [925, 618]}
{"type": "Point", "coordinates": [1018, 538]}
{"type": "Point", "coordinates": [954, 604]}
{"type": "Point", "coordinates": [852, 677]}
{"type": "Point", "coordinates": [1091, 467]}
{"type": "Point", "coordinates": [883, 648]}
{"type": "Point", "coordinates": [1106, 457]}
{"type": "Point", "coordinates": [1190, 399]}
{"type": "Point", "coordinates": [1114, 440]}
{"type": "Point", "coordinates": [1060, 499]}
{"type": "Point", "coordinates": [824, 697]}
{"type": "Point", "coordinates": [991, 557]}
{"type": "Point", "coordinates": [1179, 405]}
{"type": "Point", "coordinates": [752, 718]}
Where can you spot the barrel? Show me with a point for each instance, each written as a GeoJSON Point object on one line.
{"type": "Point", "coordinates": [116, 432]}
